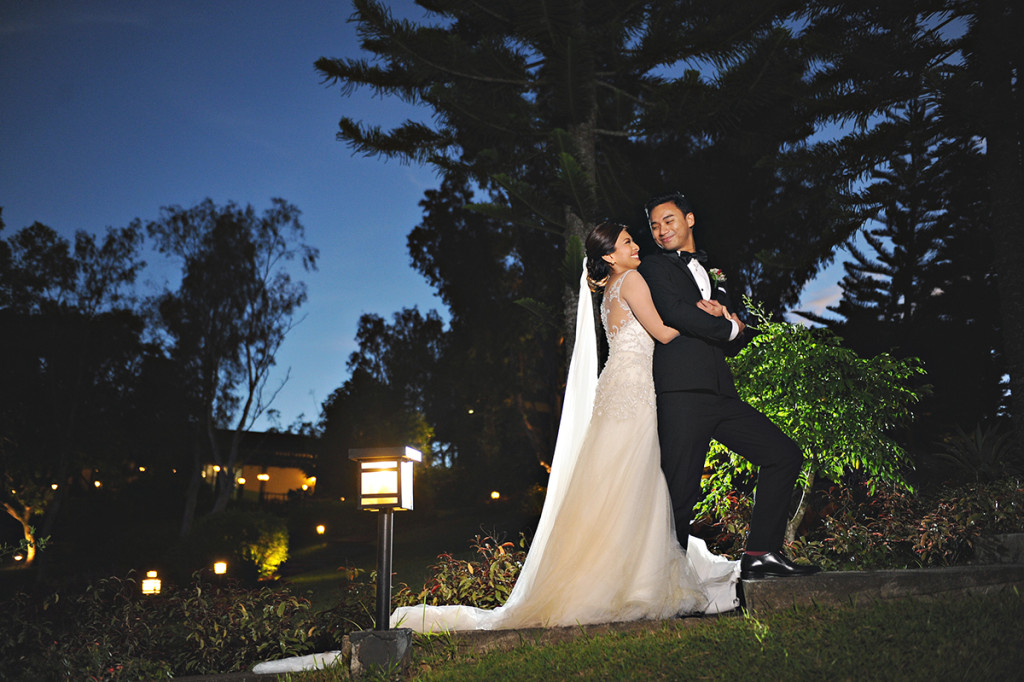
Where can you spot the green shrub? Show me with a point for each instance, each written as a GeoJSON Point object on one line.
{"type": "Point", "coordinates": [230, 629]}
{"type": "Point", "coordinates": [485, 583]}
{"type": "Point", "coordinates": [860, 530]}
{"type": "Point", "coordinates": [254, 543]}
{"type": "Point", "coordinates": [840, 409]}
{"type": "Point", "coordinates": [986, 454]}
{"type": "Point", "coordinates": [111, 632]}
{"type": "Point", "coordinates": [356, 603]}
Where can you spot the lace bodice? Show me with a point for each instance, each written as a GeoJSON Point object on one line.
{"type": "Point", "coordinates": [621, 327]}
{"type": "Point", "coordinates": [626, 382]}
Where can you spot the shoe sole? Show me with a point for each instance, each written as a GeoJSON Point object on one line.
{"type": "Point", "coordinates": [759, 576]}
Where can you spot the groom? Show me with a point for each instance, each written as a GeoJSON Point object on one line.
{"type": "Point", "coordinates": [697, 400]}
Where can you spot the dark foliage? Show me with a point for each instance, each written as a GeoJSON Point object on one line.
{"type": "Point", "coordinates": [110, 631]}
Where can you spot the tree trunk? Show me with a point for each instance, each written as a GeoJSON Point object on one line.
{"type": "Point", "coordinates": [576, 225]}
{"type": "Point", "coordinates": [26, 529]}
{"type": "Point", "coordinates": [226, 475]}
{"type": "Point", "coordinates": [192, 494]}
{"type": "Point", "coordinates": [996, 27]}
{"type": "Point", "coordinates": [801, 509]}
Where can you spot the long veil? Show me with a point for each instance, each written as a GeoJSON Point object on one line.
{"type": "Point", "coordinates": [577, 406]}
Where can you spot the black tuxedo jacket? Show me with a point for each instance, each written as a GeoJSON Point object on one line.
{"type": "Point", "coordinates": [694, 360]}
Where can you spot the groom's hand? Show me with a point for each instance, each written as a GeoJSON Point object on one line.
{"type": "Point", "coordinates": [736, 318]}
{"type": "Point", "coordinates": [712, 308]}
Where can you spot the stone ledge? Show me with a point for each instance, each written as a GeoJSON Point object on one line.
{"type": "Point", "coordinates": [853, 587]}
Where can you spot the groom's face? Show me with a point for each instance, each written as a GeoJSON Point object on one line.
{"type": "Point", "coordinates": [671, 228]}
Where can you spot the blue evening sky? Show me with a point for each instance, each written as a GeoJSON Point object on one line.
{"type": "Point", "coordinates": [111, 109]}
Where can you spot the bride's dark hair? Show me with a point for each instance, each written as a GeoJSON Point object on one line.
{"type": "Point", "coordinates": [601, 242]}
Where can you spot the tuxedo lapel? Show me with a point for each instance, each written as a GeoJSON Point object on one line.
{"type": "Point", "coordinates": [678, 262]}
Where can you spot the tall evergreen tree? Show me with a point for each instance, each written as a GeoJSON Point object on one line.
{"type": "Point", "coordinates": [986, 93]}
{"type": "Point", "coordinates": [970, 52]}
{"type": "Point", "coordinates": [925, 289]}
{"type": "Point", "coordinates": [562, 112]}
{"type": "Point", "coordinates": [497, 383]}
{"type": "Point", "coordinates": [556, 113]}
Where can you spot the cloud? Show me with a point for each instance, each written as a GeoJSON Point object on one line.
{"type": "Point", "coordinates": [817, 301]}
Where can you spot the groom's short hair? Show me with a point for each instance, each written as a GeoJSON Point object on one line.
{"type": "Point", "coordinates": [677, 198]}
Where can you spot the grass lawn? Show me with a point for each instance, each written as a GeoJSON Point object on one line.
{"type": "Point", "coordinates": [977, 638]}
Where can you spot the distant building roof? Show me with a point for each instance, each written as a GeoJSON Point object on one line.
{"type": "Point", "coordinates": [271, 448]}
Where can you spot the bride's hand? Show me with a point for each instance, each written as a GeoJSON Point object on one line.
{"type": "Point", "coordinates": [712, 308]}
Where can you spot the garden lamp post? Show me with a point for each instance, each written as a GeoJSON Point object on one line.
{"type": "Point", "coordinates": [385, 485]}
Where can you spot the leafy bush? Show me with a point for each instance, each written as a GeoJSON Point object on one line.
{"type": "Point", "coordinates": [726, 533]}
{"type": "Point", "coordinates": [229, 629]}
{"type": "Point", "coordinates": [860, 530]}
{"type": "Point", "coordinates": [984, 455]}
{"type": "Point", "coordinates": [840, 409]}
{"type": "Point", "coordinates": [356, 603]}
{"type": "Point", "coordinates": [257, 541]}
{"type": "Point", "coordinates": [111, 632]}
{"type": "Point", "coordinates": [485, 583]}
{"type": "Point", "coordinates": [99, 634]}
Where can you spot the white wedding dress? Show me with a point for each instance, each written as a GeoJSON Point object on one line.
{"type": "Point", "coordinates": [605, 549]}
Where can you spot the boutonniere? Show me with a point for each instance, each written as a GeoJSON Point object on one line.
{"type": "Point", "coordinates": [717, 276]}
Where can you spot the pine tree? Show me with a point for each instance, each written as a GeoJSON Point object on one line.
{"type": "Point", "coordinates": [925, 290]}
{"type": "Point", "coordinates": [559, 113]}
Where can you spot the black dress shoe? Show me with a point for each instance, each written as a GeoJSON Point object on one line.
{"type": "Point", "coordinates": [771, 565]}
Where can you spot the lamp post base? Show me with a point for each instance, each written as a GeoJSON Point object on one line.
{"type": "Point", "coordinates": [388, 650]}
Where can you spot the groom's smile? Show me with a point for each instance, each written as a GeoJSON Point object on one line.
{"type": "Point", "coordinates": [671, 228]}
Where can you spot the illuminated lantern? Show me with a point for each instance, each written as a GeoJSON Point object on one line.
{"type": "Point", "coordinates": [151, 583]}
{"type": "Point", "coordinates": [385, 477]}
{"type": "Point", "coordinates": [385, 484]}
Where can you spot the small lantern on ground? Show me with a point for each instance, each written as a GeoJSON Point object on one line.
{"type": "Point", "coordinates": [220, 567]}
{"type": "Point", "coordinates": [385, 484]}
{"type": "Point", "coordinates": [151, 583]}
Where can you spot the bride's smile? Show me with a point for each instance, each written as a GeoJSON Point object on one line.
{"type": "Point", "coordinates": [625, 255]}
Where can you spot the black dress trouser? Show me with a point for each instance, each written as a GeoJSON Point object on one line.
{"type": "Point", "coordinates": [688, 420]}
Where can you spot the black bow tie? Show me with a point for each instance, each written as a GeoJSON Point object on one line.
{"type": "Point", "coordinates": [686, 256]}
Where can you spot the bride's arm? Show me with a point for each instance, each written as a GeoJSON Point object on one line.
{"type": "Point", "coordinates": [637, 294]}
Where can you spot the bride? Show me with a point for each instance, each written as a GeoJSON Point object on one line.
{"type": "Point", "coordinates": [605, 549]}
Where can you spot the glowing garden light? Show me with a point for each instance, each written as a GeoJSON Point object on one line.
{"type": "Point", "coordinates": [385, 484]}
{"type": "Point", "coordinates": [151, 584]}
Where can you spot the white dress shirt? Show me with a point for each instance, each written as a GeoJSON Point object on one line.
{"type": "Point", "coordinates": [704, 284]}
